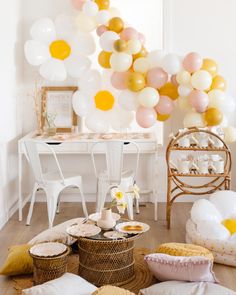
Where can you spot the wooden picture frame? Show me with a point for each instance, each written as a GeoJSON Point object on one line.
{"type": "Point", "coordinates": [67, 118]}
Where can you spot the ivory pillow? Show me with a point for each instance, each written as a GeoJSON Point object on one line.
{"type": "Point", "coordinates": [183, 288]}
{"type": "Point", "coordinates": [56, 234]}
{"type": "Point", "coordinates": [110, 290]}
{"type": "Point", "coordinates": [179, 268]}
{"type": "Point", "coordinates": [68, 284]}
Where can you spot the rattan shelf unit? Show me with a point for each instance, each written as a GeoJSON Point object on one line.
{"type": "Point", "coordinates": [179, 184]}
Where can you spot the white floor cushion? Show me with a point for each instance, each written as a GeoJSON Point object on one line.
{"type": "Point", "coordinates": [68, 284]}
{"type": "Point", "coordinates": [183, 288]}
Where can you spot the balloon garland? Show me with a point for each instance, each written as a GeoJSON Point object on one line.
{"type": "Point", "coordinates": [147, 84]}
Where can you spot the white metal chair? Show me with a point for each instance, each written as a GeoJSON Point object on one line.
{"type": "Point", "coordinates": [53, 183]}
{"type": "Point", "coordinates": [114, 174]}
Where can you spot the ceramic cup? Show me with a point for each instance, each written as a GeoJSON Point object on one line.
{"type": "Point", "coordinates": [217, 143]}
{"type": "Point", "coordinates": [184, 141]}
{"type": "Point", "coordinates": [202, 166]}
{"type": "Point", "coordinates": [218, 166]}
{"type": "Point", "coordinates": [202, 139]}
{"type": "Point", "coordinates": [183, 166]}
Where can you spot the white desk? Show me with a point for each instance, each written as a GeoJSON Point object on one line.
{"type": "Point", "coordinates": [81, 144]}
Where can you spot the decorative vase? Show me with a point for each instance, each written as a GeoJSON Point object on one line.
{"type": "Point", "coordinates": [106, 221]}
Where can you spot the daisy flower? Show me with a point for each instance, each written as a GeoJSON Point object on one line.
{"type": "Point", "coordinates": [117, 194]}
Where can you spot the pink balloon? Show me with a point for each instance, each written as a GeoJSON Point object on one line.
{"type": "Point", "coordinates": [141, 38]}
{"type": "Point", "coordinates": [157, 77]}
{"type": "Point", "coordinates": [118, 80]}
{"type": "Point", "coordinates": [199, 100]}
{"type": "Point", "coordinates": [146, 117]}
{"type": "Point", "coordinates": [174, 81]}
{"type": "Point", "coordinates": [128, 34]}
{"type": "Point", "coordinates": [101, 29]}
{"type": "Point", "coordinates": [192, 62]}
{"type": "Point", "coordinates": [78, 4]}
{"type": "Point", "coordinates": [165, 106]}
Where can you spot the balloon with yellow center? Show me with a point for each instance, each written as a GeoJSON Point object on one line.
{"type": "Point", "coordinates": [60, 49]}
{"type": "Point", "coordinates": [104, 100]}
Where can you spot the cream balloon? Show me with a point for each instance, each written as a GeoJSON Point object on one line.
{"type": "Point", "coordinates": [216, 98]}
{"type": "Point", "coordinates": [90, 8]}
{"type": "Point", "coordinates": [229, 134]}
{"type": "Point", "coordinates": [184, 104]}
{"type": "Point", "coordinates": [185, 90]}
{"type": "Point", "coordinates": [133, 46]}
{"type": "Point", "coordinates": [148, 97]}
{"type": "Point", "coordinates": [193, 119]}
{"type": "Point", "coordinates": [128, 100]}
{"type": "Point", "coordinates": [183, 77]}
{"type": "Point", "coordinates": [201, 80]}
{"type": "Point", "coordinates": [141, 65]}
{"type": "Point", "coordinates": [114, 12]}
{"type": "Point", "coordinates": [121, 62]}
{"type": "Point", "coordinates": [85, 23]}
{"type": "Point", "coordinates": [107, 40]}
{"type": "Point", "coordinates": [171, 64]}
{"type": "Point", "coordinates": [103, 17]}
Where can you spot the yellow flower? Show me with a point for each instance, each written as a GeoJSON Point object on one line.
{"type": "Point", "coordinates": [117, 194]}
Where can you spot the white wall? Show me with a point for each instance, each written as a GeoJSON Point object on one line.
{"type": "Point", "coordinates": [11, 74]}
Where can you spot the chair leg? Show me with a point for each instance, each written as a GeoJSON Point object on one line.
{"type": "Point", "coordinates": [52, 206]}
{"type": "Point", "coordinates": [130, 207]}
{"type": "Point", "coordinates": [32, 204]}
{"type": "Point", "coordinates": [137, 206]}
{"type": "Point", "coordinates": [58, 204]}
{"type": "Point", "coordinates": [83, 201]}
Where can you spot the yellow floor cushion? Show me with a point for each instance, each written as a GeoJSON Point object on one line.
{"type": "Point", "coordinates": [110, 290]}
{"type": "Point", "coordinates": [18, 261]}
{"type": "Point", "coordinates": [180, 249]}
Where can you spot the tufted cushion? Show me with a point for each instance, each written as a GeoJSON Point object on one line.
{"type": "Point", "coordinates": [110, 290]}
{"type": "Point", "coordinates": [180, 249]}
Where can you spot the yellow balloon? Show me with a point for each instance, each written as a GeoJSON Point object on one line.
{"type": "Point", "coordinates": [142, 53]}
{"type": "Point", "coordinates": [219, 82]}
{"type": "Point", "coordinates": [104, 59]}
{"type": "Point", "coordinates": [104, 100]}
{"type": "Point", "coordinates": [210, 66]}
{"type": "Point", "coordinates": [136, 82]}
{"type": "Point", "coordinates": [103, 4]}
{"type": "Point", "coordinates": [213, 117]}
{"type": "Point", "coordinates": [162, 118]}
{"type": "Point", "coordinates": [60, 49]}
{"type": "Point", "coordinates": [120, 45]}
{"type": "Point", "coordinates": [116, 24]}
{"type": "Point", "coordinates": [170, 90]}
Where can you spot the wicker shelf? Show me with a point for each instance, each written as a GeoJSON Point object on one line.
{"type": "Point", "coordinates": [179, 183]}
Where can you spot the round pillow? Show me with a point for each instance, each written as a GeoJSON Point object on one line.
{"type": "Point", "coordinates": [181, 249]}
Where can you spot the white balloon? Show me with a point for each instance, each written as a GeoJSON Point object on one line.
{"type": "Point", "coordinates": [229, 134]}
{"type": "Point", "coordinates": [85, 23]}
{"type": "Point", "coordinates": [183, 77]}
{"type": "Point", "coordinates": [65, 26]}
{"type": "Point", "coordinates": [128, 100]}
{"type": "Point", "coordinates": [36, 52]}
{"type": "Point", "coordinates": [107, 40]}
{"type": "Point", "coordinates": [120, 119]}
{"type": "Point", "coordinates": [213, 230]}
{"type": "Point", "coordinates": [102, 17]}
{"type": "Point", "coordinates": [171, 64]}
{"type": "Point", "coordinates": [90, 8]}
{"type": "Point", "coordinates": [193, 119]}
{"type": "Point", "coordinates": [228, 106]}
{"type": "Point", "coordinates": [81, 103]}
{"type": "Point", "coordinates": [121, 62]}
{"type": "Point", "coordinates": [155, 58]}
{"type": "Point", "coordinates": [53, 70]}
{"type": "Point", "coordinates": [77, 65]}
{"type": "Point", "coordinates": [225, 202]}
{"type": "Point", "coordinates": [83, 43]}
{"type": "Point", "coordinates": [225, 122]}
{"type": "Point", "coordinates": [184, 104]}
{"type": "Point", "coordinates": [97, 122]}
{"type": "Point", "coordinates": [133, 46]}
{"type": "Point", "coordinates": [114, 12]}
{"type": "Point", "coordinates": [201, 80]}
{"type": "Point", "coordinates": [185, 90]}
{"type": "Point", "coordinates": [148, 97]}
{"type": "Point", "coordinates": [90, 82]}
{"type": "Point", "coordinates": [141, 65]}
{"type": "Point", "coordinates": [43, 30]}
{"type": "Point", "coordinates": [204, 210]}
{"type": "Point", "coordinates": [216, 98]}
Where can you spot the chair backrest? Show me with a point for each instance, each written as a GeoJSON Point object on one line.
{"type": "Point", "coordinates": [34, 159]}
{"type": "Point", "coordinates": [114, 151]}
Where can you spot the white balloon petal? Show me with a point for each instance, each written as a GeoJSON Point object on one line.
{"type": "Point", "coordinates": [213, 230]}
{"type": "Point", "coordinates": [53, 70]}
{"type": "Point", "coordinates": [77, 65]}
{"type": "Point", "coordinates": [82, 103]}
{"type": "Point", "coordinates": [43, 30]}
{"type": "Point", "coordinates": [128, 100]}
{"type": "Point", "coordinates": [225, 202]}
{"type": "Point", "coordinates": [204, 210]}
{"type": "Point", "coordinates": [36, 53]}
{"type": "Point", "coordinates": [65, 26]}
{"type": "Point", "coordinates": [90, 82]}
{"type": "Point", "coordinates": [97, 122]}
{"type": "Point", "coordinates": [83, 43]}
{"type": "Point", "coordinates": [120, 119]}
{"type": "Point", "coordinates": [85, 23]}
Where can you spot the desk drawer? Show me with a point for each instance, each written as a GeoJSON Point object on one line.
{"type": "Point", "coordinates": [66, 148]}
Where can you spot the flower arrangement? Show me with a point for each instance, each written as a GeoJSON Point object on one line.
{"type": "Point", "coordinates": [119, 197]}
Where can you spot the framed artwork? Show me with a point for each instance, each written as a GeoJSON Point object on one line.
{"type": "Point", "coordinates": [57, 101]}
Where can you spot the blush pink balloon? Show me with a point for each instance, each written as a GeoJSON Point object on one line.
{"type": "Point", "coordinates": [199, 100]}
{"type": "Point", "coordinates": [141, 38]}
{"type": "Point", "coordinates": [118, 80]}
{"type": "Point", "coordinates": [157, 77]}
{"type": "Point", "coordinates": [128, 34]}
{"type": "Point", "coordinates": [101, 29]}
{"type": "Point", "coordinates": [192, 62]}
{"type": "Point", "coordinates": [165, 106]}
{"type": "Point", "coordinates": [78, 4]}
{"type": "Point", "coordinates": [146, 117]}
{"type": "Point", "coordinates": [174, 80]}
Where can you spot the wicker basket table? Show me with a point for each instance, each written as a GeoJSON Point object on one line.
{"type": "Point", "coordinates": [107, 262]}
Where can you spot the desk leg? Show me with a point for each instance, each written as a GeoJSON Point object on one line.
{"type": "Point", "coordinates": [154, 185]}
{"type": "Point", "coordinates": [20, 185]}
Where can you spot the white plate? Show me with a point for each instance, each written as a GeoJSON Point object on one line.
{"type": "Point", "coordinates": [83, 230]}
{"type": "Point", "coordinates": [48, 249]}
{"type": "Point", "coordinates": [120, 227]}
{"type": "Point", "coordinates": [96, 216]}
{"type": "Point", "coordinates": [114, 235]}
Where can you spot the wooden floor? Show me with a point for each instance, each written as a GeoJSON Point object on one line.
{"type": "Point", "coordinates": [15, 233]}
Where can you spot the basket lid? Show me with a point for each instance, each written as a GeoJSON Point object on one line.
{"type": "Point", "coordinates": [48, 249]}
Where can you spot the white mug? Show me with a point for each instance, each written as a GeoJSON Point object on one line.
{"type": "Point", "coordinates": [217, 143]}
{"type": "Point", "coordinates": [184, 141]}
{"type": "Point", "coordinates": [215, 158]}
{"type": "Point", "coordinates": [183, 166]}
{"type": "Point", "coordinates": [202, 166]}
{"type": "Point", "coordinates": [202, 139]}
{"type": "Point", "coordinates": [218, 166]}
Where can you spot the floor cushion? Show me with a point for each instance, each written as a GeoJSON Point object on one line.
{"type": "Point", "coordinates": [183, 288]}
{"type": "Point", "coordinates": [18, 261]}
{"type": "Point", "coordinates": [110, 290]}
{"type": "Point", "coordinates": [68, 284]}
